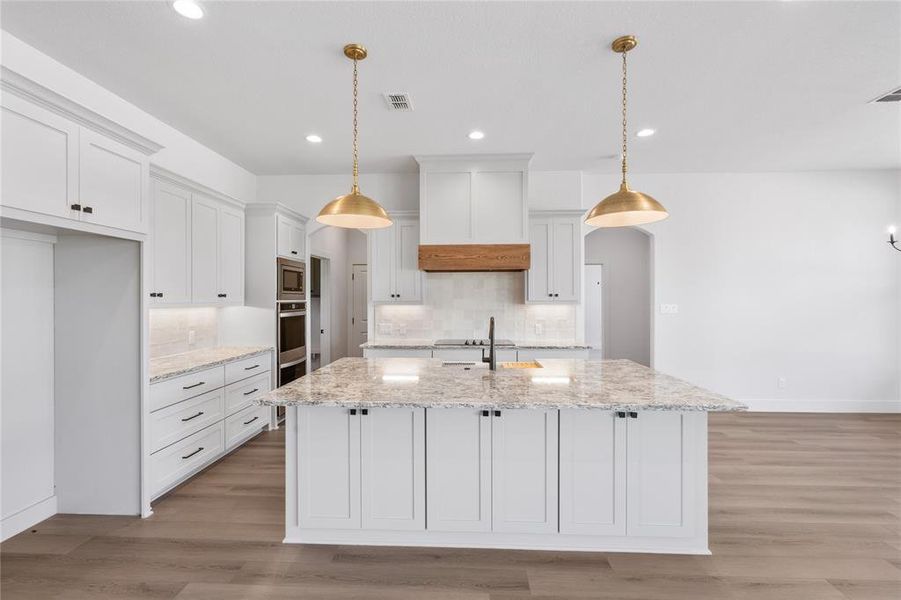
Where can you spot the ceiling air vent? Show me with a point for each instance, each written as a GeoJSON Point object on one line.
{"type": "Point", "coordinates": [401, 102]}
{"type": "Point", "coordinates": [893, 96]}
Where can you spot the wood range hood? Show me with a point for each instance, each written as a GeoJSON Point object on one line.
{"type": "Point", "coordinates": [448, 258]}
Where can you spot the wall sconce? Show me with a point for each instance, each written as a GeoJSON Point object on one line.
{"type": "Point", "coordinates": [891, 238]}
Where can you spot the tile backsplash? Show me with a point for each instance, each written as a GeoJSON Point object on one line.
{"type": "Point", "coordinates": [458, 305]}
{"type": "Point", "coordinates": [176, 330]}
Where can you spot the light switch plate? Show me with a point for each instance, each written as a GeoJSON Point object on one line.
{"type": "Point", "coordinates": [669, 309]}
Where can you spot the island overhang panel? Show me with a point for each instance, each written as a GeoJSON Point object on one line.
{"type": "Point", "coordinates": [574, 455]}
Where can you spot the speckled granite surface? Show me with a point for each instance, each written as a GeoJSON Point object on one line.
{"type": "Point", "coordinates": [561, 383]}
{"type": "Point", "coordinates": [430, 345]}
{"type": "Point", "coordinates": [174, 365]}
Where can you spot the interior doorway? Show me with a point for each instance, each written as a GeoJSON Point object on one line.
{"type": "Point", "coordinates": [359, 309]}
{"type": "Point", "coordinates": [320, 312]}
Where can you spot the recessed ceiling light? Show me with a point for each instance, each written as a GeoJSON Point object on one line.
{"type": "Point", "coordinates": [188, 8]}
{"type": "Point", "coordinates": [476, 135]}
{"type": "Point", "coordinates": [646, 132]}
{"type": "Point", "coordinates": [313, 138]}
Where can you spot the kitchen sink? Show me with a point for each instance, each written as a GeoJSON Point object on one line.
{"type": "Point", "coordinates": [531, 364]}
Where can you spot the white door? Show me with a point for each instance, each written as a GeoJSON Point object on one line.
{"type": "Point", "coordinates": [459, 468]}
{"type": "Point", "coordinates": [231, 256]}
{"type": "Point", "coordinates": [539, 277]}
{"type": "Point", "coordinates": [381, 264]}
{"type": "Point", "coordinates": [594, 316]}
{"type": "Point", "coordinates": [171, 242]}
{"type": "Point", "coordinates": [407, 276]}
{"type": "Point", "coordinates": [329, 467]}
{"type": "Point", "coordinates": [567, 260]}
{"type": "Point", "coordinates": [661, 473]}
{"type": "Point", "coordinates": [112, 183]}
{"type": "Point", "coordinates": [524, 471]}
{"type": "Point", "coordinates": [283, 236]}
{"type": "Point", "coordinates": [592, 472]}
{"type": "Point", "coordinates": [39, 153]}
{"type": "Point", "coordinates": [204, 250]}
{"type": "Point", "coordinates": [393, 468]}
{"type": "Point", "coordinates": [359, 326]}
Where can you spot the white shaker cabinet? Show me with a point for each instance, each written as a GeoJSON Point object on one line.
{"type": "Point", "coordinates": [290, 238]}
{"type": "Point", "coordinates": [112, 183]}
{"type": "Point", "coordinates": [394, 262]}
{"type": "Point", "coordinates": [217, 252]}
{"type": "Point", "coordinates": [171, 245]}
{"type": "Point", "coordinates": [557, 256]}
{"type": "Point", "coordinates": [39, 151]}
{"type": "Point", "coordinates": [231, 255]}
{"type": "Point", "coordinates": [524, 471]}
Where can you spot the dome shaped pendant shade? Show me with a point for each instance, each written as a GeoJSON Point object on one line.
{"type": "Point", "coordinates": [354, 211]}
{"type": "Point", "coordinates": [626, 207]}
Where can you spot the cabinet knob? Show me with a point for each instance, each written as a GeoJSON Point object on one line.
{"type": "Point", "coordinates": [153, 294]}
{"type": "Point", "coordinates": [222, 295]}
{"type": "Point", "coordinates": [497, 413]}
{"type": "Point", "coordinates": [550, 295]}
{"type": "Point", "coordinates": [75, 206]}
{"type": "Point", "coordinates": [353, 411]}
{"type": "Point", "coordinates": [88, 209]}
{"type": "Point", "coordinates": [364, 411]}
{"type": "Point", "coordinates": [556, 295]}
{"type": "Point", "coordinates": [293, 251]}
{"type": "Point", "coordinates": [484, 413]}
{"type": "Point", "coordinates": [159, 294]}
{"type": "Point", "coordinates": [633, 415]}
{"type": "Point", "coordinates": [620, 414]}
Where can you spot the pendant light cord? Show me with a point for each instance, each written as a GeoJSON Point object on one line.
{"type": "Point", "coordinates": [625, 134]}
{"type": "Point", "coordinates": [356, 188]}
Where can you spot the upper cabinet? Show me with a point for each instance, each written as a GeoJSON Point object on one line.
{"type": "Point", "coordinates": [197, 247]}
{"type": "Point", "coordinates": [393, 261]}
{"type": "Point", "coordinates": [291, 236]}
{"type": "Point", "coordinates": [479, 199]}
{"type": "Point", "coordinates": [54, 167]}
{"type": "Point", "coordinates": [556, 271]}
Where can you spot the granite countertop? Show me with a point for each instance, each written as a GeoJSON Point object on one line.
{"type": "Point", "coordinates": [430, 345]}
{"type": "Point", "coordinates": [560, 383]}
{"type": "Point", "coordinates": [165, 367]}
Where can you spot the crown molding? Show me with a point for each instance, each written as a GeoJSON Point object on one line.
{"type": "Point", "coordinates": [19, 85]}
{"type": "Point", "coordinates": [159, 173]}
{"type": "Point", "coordinates": [276, 207]}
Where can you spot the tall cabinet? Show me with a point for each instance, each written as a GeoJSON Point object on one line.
{"type": "Point", "coordinates": [394, 261]}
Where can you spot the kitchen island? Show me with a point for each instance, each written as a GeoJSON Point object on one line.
{"type": "Point", "coordinates": [549, 454]}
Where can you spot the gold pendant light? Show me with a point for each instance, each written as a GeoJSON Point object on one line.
{"type": "Point", "coordinates": [354, 210]}
{"type": "Point", "coordinates": [625, 207]}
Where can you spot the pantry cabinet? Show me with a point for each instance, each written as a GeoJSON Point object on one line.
{"type": "Point", "coordinates": [557, 256]}
{"type": "Point", "coordinates": [54, 167]}
{"type": "Point", "coordinates": [290, 238]}
{"type": "Point", "coordinates": [394, 262]}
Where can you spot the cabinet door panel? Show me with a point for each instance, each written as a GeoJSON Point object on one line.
{"type": "Point", "coordinates": [381, 264]}
{"type": "Point", "coordinates": [328, 467]}
{"type": "Point", "coordinates": [567, 260]}
{"type": "Point", "coordinates": [171, 241]}
{"type": "Point", "coordinates": [498, 208]}
{"type": "Point", "coordinates": [661, 472]}
{"type": "Point", "coordinates": [112, 180]}
{"type": "Point", "coordinates": [231, 255]}
{"type": "Point", "coordinates": [393, 468]}
{"type": "Point", "coordinates": [39, 159]}
{"type": "Point", "coordinates": [408, 277]}
{"type": "Point", "coordinates": [539, 277]}
{"type": "Point", "coordinates": [448, 209]}
{"type": "Point", "coordinates": [459, 468]}
{"type": "Point", "coordinates": [298, 241]}
{"type": "Point", "coordinates": [524, 471]}
{"type": "Point", "coordinates": [204, 251]}
{"type": "Point", "coordinates": [592, 473]}
{"type": "Point", "coordinates": [283, 237]}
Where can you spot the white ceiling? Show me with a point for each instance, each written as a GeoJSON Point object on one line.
{"type": "Point", "coordinates": [745, 86]}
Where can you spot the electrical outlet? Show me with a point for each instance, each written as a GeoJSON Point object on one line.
{"type": "Point", "coordinates": [669, 309]}
{"type": "Point", "coordinates": [191, 337]}
{"type": "Point", "coordinates": [780, 383]}
{"type": "Point", "coordinates": [539, 328]}
{"type": "Point", "coordinates": [385, 328]}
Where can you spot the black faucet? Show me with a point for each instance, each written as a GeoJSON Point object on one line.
{"type": "Point", "coordinates": [491, 359]}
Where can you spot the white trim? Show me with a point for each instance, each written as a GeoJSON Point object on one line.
{"type": "Point", "coordinates": [160, 174]}
{"type": "Point", "coordinates": [31, 236]}
{"type": "Point", "coordinates": [823, 406]}
{"type": "Point", "coordinates": [509, 541]}
{"type": "Point", "coordinates": [29, 219]}
{"type": "Point", "coordinates": [276, 207]}
{"type": "Point", "coordinates": [27, 517]}
{"type": "Point", "coordinates": [25, 88]}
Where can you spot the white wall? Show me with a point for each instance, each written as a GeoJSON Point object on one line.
{"type": "Point", "coordinates": [625, 254]}
{"type": "Point", "coordinates": [181, 154]}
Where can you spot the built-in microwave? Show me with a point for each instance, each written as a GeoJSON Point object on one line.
{"type": "Point", "coordinates": [291, 281]}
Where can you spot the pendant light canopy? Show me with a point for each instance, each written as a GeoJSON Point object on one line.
{"type": "Point", "coordinates": [625, 207]}
{"type": "Point", "coordinates": [354, 210]}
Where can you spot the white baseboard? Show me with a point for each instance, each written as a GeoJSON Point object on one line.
{"type": "Point", "coordinates": [823, 406]}
{"type": "Point", "coordinates": [27, 517]}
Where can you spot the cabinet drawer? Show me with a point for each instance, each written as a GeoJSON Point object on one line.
{"type": "Point", "coordinates": [181, 388]}
{"type": "Point", "coordinates": [248, 367]}
{"type": "Point", "coordinates": [178, 461]}
{"type": "Point", "coordinates": [178, 421]}
{"type": "Point", "coordinates": [241, 425]}
{"type": "Point", "coordinates": [240, 395]}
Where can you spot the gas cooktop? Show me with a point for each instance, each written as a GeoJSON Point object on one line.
{"type": "Point", "coordinates": [472, 342]}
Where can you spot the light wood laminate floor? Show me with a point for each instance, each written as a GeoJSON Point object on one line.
{"type": "Point", "coordinates": [802, 507]}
